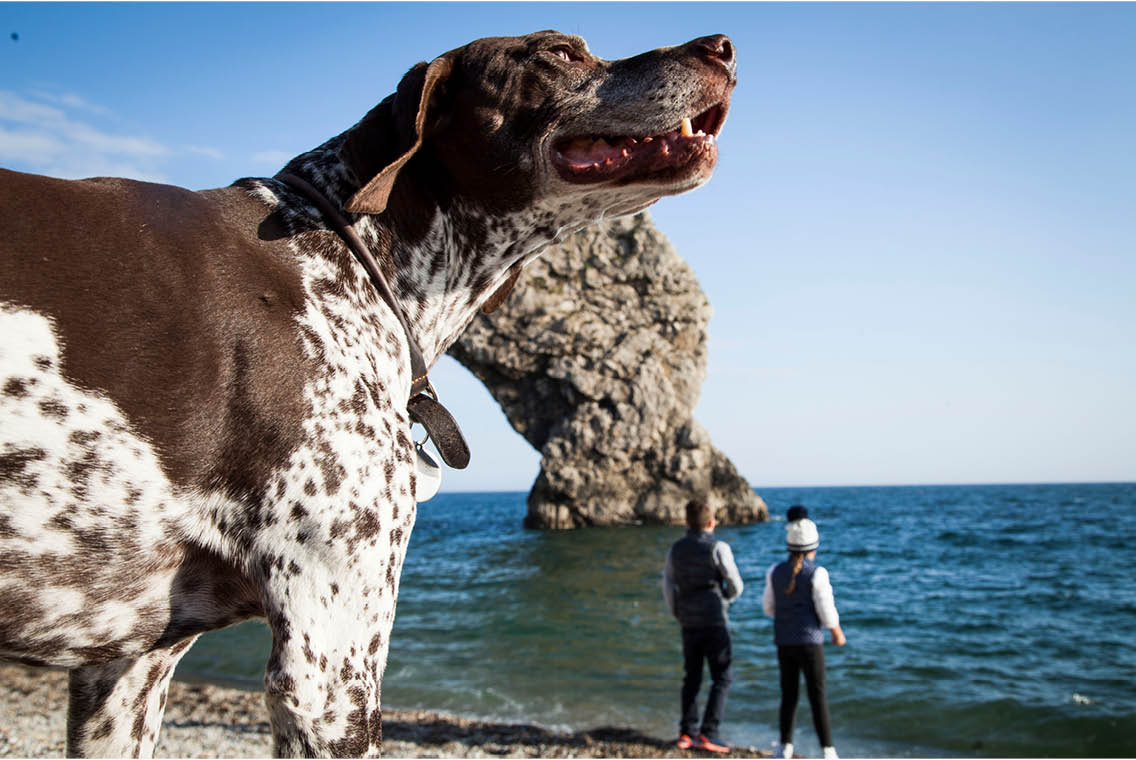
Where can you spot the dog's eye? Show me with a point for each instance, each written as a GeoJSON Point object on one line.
{"type": "Point", "coordinates": [565, 53]}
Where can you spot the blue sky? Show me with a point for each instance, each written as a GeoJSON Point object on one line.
{"type": "Point", "coordinates": [920, 243]}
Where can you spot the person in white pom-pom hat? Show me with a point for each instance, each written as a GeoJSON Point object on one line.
{"type": "Point", "coordinates": [798, 596]}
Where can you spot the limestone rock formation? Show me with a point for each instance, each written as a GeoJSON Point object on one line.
{"type": "Point", "coordinates": [597, 359]}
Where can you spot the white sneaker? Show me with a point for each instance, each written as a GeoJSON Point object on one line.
{"type": "Point", "coordinates": [786, 750]}
{"type": "Point", "coordinates": [830, 753]}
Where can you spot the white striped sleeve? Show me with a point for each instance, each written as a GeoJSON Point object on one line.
{"type": "Point", "coordinates": [823, 600]}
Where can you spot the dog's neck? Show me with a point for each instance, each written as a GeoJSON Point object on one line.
{"type": "Point", "coordinates": [443, 260]}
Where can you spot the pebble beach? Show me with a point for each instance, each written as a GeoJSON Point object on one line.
{"type": "Point", "coordinates": [204, 720]}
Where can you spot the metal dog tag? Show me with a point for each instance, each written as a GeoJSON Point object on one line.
{"type": "Point", "coordinates": [428, 475]}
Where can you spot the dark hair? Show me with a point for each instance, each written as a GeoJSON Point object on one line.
{"type": "Point", "coordinates": [796, 512]}
{"type": "Point", "coordinates": [798, 560]}
{"type": "Point", "coordinates": [698, 514]}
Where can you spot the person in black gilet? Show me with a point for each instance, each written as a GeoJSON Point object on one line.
{"type": "Point", "coordinates": [700, 581]}
{"type": "Point", "coordinates": [798, 596]}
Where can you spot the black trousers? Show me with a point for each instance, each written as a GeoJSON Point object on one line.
{"type": "Point", "coordinates": [712, 646]}
{"type": "Point", "coordinates": [795, 659]}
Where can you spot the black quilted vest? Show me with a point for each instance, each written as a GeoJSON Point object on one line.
{"type": "Point", "coordinates": [698, 601]}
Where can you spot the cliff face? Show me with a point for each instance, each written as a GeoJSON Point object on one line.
{"type": "Point", "coordinates": [597, 360]}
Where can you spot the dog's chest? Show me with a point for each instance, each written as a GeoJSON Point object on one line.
{"type": "Point", "coordinates": [353, 466]}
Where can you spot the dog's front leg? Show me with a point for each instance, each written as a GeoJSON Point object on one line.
{"type": "Point", "coordinates": [329, 646]}
{"type": "Point", "coordinates": [115, 709]}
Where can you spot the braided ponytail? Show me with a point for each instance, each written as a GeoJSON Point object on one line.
{"type": "Point", "coordinates": [798, 560]}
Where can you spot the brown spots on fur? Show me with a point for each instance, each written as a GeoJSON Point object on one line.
{"type": "Point", "coordinates": [367, 525]}
{"type": "Point", "coordinates": [338, 528]}
{"type": "Point", "coordinates": [43, 363]}
{"type": "Point", "coordinates": [61, 521]}
{"type": "Point", "coordinates": [359, 399]}
{"type": "Point", "coordinates": [377, 726]}
{"type": "Point", "coordinates": [376, 642]}
{"type": "Point", "coordinates": [100, 654]}
{"type": "Point", "coordinates": [16, 388]}
{"type": "Point", "coordinates": [14, 463]}
{"type": "Point", "coordinates": [84, 438]}
{"type": "Point", "coordinates": [140, 707]}
{"type": "Point", "coordinates": [333, 471]}
{"type": "Point", "coordinates": [391, 580]}
{"type": "Point", "coordinates": [53, 409]}
{"type": "Point", "coordinates": [356, 736]}
{"type": "Point", "coordinates": [79, 471]}
{"type": "Point", "coordinates": [104, 730]}
{"type": "Point", "coordinates": [6, 529]}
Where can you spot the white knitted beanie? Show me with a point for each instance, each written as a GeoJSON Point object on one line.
{"type": "Point", "coordinates": [802, 535]}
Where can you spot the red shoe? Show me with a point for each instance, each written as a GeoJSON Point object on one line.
{"type": "Point", "coordinates": [705, 744]}
{"type": "Point", "coordinates": [684, 742]}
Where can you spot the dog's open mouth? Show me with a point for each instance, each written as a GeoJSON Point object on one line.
{"type": "Point", "coordinates": [606, 158]}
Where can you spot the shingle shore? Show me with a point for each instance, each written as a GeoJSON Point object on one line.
{"type": "Point", "coordinates": [203, 720]}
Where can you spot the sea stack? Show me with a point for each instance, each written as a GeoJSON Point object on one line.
{"type": "Point", "coordinates": [597, 359]}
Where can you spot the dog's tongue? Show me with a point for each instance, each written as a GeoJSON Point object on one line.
{"type": "Point", "coordinates": [585, 152]}
{"type": "Point", "coordinates": [595, 159]}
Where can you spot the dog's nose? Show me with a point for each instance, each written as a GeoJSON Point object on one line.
{"type": "Point", "coordinates": [716, 47]}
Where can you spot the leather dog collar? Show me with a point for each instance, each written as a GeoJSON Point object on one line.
{"type": "Point", "coordinates": [423, 406]}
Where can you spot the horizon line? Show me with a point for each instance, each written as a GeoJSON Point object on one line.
{"type": "Point", "coordinates": [881, 485]}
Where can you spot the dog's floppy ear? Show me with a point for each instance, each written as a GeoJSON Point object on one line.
{"type": "Point", "coordinates": [372, 198]}
{"type": "Point", "coordinates": [494, 302]}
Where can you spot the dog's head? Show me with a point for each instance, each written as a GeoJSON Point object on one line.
{"type": "Point", "coordinates": [507, 123]}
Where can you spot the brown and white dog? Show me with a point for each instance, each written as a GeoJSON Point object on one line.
{"type": "Point", "coordinates": [203, 399]}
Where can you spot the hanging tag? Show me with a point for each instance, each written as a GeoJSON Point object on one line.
{"type": "Point", "coordinates": [442, 429]}
{"type": "Point", "coordinates": [428, 475]}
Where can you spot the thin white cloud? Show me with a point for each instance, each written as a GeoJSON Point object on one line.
{"type": "Point", "coordinates": [28, 146]}
{"type": "Point", "coordinates": [71, 100]}
{"type": "Point", "coordinates": [38, 133]}
{"type": "Point", "coordinates": [208, 152]}
{"type": "Point", "coordinates": [274, 157]}
{"type": "Point", "coordinates": [13, 108]}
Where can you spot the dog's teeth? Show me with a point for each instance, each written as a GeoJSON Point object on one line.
{"type": "Point", "coordinates": [687, 130]}
{"type": "Point", "coordinates": [625, 153]}
{"type": "Point", "coordinates": [648, 139]}
{"type": "Point", "coordinates": [700, 133]}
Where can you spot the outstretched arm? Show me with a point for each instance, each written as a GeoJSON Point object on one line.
{"type": "Point", "coordinates": [825, 605]}
{"type": "Point", "coordinates": [724, 559]}
{"type": "Point", "coordinates": [768, 600]}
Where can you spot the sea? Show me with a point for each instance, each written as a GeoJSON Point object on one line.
{"type": "Point", "coordinates": [982, 621]}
